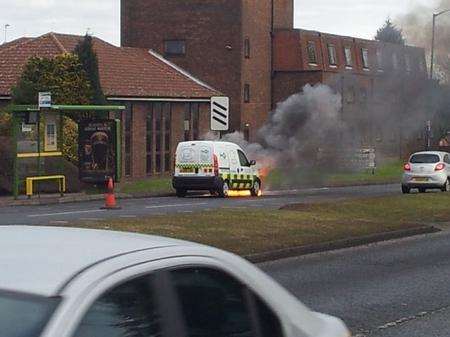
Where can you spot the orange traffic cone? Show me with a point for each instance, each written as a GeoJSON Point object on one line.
{"type": "Point", "coordinates": [110, 198]}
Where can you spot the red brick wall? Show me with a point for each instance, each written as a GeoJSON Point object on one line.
{"type": "Point", "coordinates": [283, 14]}
{"type": "Point", "coordinates": [256, 72]}
{"type": "Point", "coordinates": [289, 83]}
{"type": "Point", "coordinates": [213, 35]}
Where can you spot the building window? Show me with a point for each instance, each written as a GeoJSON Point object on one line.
{"type": "Point", "coordinates": [379, 60]}
{"type": "Point", "coordinates": [175, 47]}
{"type": "Point", "coordinates": [247, 48]}
{"type": "Point", "coordinates": [365, 58]}
{"type": "Point", "coordinates": [408, 63]}
{"type": "Point", "coordinates": [192, 121]}
{"type": "Point", "coordinates": [312, 56]}
{"type": "Point", "coordinates": [332, 57]}
{"type": "Point", "coordinates": [348, 57]}
{"type": "Point", "coordinates": [149, 140]}
{"type": "Point", "coordinates": [394, 60]}
{"type": "Point", "coordinates": [159, 145]}
{"type": "Point", "coordinates": [127, 137]}
{"type": "Point", "coordinates": [246, 93]}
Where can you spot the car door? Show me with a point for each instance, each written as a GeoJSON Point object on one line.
{"type": "Point", "coordinates": [245, 172]}
{"type": "Point", "coordinates": [447, 163]}
{"type": "Point", "coordinates": [235, 167]}
{"type": "Point", "coordinates": [213, 303]}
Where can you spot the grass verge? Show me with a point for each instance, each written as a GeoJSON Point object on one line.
{"type": "Point", "coordinates": [250, 231]}
{"type": "Point", "coordinates": [389, 172]}
{"type": "Point", "coordinates": [152, 186]}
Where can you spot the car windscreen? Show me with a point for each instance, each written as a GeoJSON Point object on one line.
{"type": "Point", "coordinates": [425, 158]}
{"type": "Point", "coordinates": [24, 315]}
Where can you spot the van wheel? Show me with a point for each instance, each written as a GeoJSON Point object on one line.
{"type": "Point", "coordinates": [256, 189]}
{"type": "Point", "coordinates": [181, 193]}
{"type": "Point", "coordinates": [224, 190]}
{"type": "Point", "coordinates": [405, 189]}
{"type": "Point", "coordinates": [446, 187]}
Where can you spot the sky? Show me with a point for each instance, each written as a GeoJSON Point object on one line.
{"type": "Point", "coordinates": [358, 18]}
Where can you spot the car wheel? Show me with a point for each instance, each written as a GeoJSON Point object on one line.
{"type": "Point", "coordinates": [446, 187]}
{"type": "Point", "coordinates": [181, 193]}
{"type": "Point", "coordinates": [422, 190]}
{"type": "Point", "coordinates": [405, 189]}
{"type": "Point", "coordinates": [256, 189]}
{"type": "Point", "coordinates": [224, 190]}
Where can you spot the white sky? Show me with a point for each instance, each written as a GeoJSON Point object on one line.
{"type": "Point", "coordinates": [359, 18]}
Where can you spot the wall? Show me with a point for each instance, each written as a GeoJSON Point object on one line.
{"type": "Point", "coordinates": [283, 14]}
{"type": "Point", "coordinates": [212, 31]}
{"type": "Point", "coordinates": [256, 69]}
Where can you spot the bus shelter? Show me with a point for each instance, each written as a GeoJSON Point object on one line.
{"type": "Point", "coordinates": [38, 138]}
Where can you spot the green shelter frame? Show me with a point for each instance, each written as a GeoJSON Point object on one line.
{"type": "Point", "coordinates": [20, 113]}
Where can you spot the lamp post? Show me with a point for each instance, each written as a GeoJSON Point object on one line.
{"type": "Point", "coordinates": [435, 15]}
{"type": "Point", "coordinates": [6, 29]}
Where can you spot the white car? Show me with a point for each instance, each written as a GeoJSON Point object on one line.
{"type": "Point", "coordinates": [61, 282]}
{"type": "Point", "coordinates": [427, 170]}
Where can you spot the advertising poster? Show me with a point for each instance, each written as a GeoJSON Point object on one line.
{"type": "Point", "coordinates": [97, 150]}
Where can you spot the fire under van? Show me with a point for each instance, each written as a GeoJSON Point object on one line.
{"type": "Point", "coordinates": [217, 167]}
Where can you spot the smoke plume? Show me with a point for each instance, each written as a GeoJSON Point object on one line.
{"type": "Point", "coordinates": [417, 28]}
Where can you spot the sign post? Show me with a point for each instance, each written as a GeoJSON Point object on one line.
{"type": "Point", "coordinates": [220, 113]}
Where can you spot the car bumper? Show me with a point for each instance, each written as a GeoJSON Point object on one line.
{"type": "Point", "coordinates": [196, 183]}
{"type": "Point", "coordinates": [414, 180]}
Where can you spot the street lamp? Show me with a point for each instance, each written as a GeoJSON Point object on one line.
{"type": "Point", "coordinates": [6, 28]}
{"type": "Point", "coordinates": [435, 15]}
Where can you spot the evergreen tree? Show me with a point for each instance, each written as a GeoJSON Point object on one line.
{"type": "Point", "coordinates": [89, 61]}
{"type": "Point", "coordinates": [390, 33]}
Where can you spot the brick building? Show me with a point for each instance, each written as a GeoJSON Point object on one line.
{"type": "Point", "coordinates": [165, 104]}
{"type": "Point", "coordinates": [250, 51]}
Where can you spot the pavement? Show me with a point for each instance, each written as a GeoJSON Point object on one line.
{"type": "Point", "coordinates": [392, 288]}
{"type": "Point", "coordinates": [54, 214]}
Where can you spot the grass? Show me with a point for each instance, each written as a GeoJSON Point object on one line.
{"type": "Point", "coordinates": [388, 172]}
{"type": "Point", "coordinates": [250, 231]}
{"type": "Point", "coordinates": [152, 186]}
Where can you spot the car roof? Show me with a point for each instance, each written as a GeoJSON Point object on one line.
{"type": "Point", "coordinates": [439, 153]}
{"type": "Point", "coordinates": [209, 142]}
{"type": "Point", "coordinates": [39, 260]}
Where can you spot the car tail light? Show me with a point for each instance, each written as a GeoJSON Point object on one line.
{"type": "Point", "coordinates": [407, 167]}
{"type": "Point", "coordinates": [216, 166]}
{"type": "Point", "coordinates": [439, 167]}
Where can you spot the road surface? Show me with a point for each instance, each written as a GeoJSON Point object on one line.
{"type": "Point", "coordinates": [394, 288]}
{"type": "Point", "coordinates": [90, 211]}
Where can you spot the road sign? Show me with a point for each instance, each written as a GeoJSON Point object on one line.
{"type": "Point", "coordinates": [45, 100]}
{"type": "Point", "coordinates": [220, 113]}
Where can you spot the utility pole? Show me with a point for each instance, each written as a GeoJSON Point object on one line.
{"type": "Point", "coordinates": [6, 30]}
{"type": "Point", "coordinates": [435, 15]}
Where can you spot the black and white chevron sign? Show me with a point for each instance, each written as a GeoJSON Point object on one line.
{"type": "Point", "coordinates": [220, 113]}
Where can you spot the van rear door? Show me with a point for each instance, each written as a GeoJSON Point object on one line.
{"type": "Point", "coordinates": [194, 159]}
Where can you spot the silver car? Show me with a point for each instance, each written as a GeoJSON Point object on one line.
{"type": "Point", "coordinates": [427, 170]}
{"type": "Point", "coordinates": [61, 282]}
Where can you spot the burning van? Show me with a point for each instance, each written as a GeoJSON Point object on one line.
{"type": "Point", "coordinates": [222, 168]}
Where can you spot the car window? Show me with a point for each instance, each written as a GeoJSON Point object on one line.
{"type": "Point", "coordinates": [446, 159]}
{"type": "Point", "coordinates": [425, 159]}
{"type": "Point", "coordinates": [212, 303]}
{"type": "Point", "coordinates": [243, 159]}
{"type": "Point", "coordinates": [270, 325]}
{"type": "Point", "coordinates": [23, 315]}
{"type": "Point", "coordinates": [128, 310]}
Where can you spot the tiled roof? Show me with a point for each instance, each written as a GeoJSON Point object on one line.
{"type": "Point", "coordinates": [124, 72]}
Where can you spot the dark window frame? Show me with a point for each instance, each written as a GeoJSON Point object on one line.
{"type": "Point", "coordinates": [348, 60]}
{"type": "Point", "coordinates": [311, 49]}
{"type": "Point", "coordinates": [182, 47]}
{"type": "Point", "coordinates": [247, 95]}
{"type": "Point", "coordinates": [332, 54]}
{"type": "Point", "coordinates": [247, 48]}
{"type": "Point", "coordinates": [128, 139]}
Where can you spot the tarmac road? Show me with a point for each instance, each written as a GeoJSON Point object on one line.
{"type": "Point", "coordinates": [393, 288]}
{"type": "Point", "coordinates": [131, 208]}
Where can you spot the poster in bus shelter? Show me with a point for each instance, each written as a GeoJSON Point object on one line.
{"type": "Point", "coordinates": [98, 151]}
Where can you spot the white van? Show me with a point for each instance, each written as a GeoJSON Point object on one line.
{"type": "Point", "coordinates": [214, 166]}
